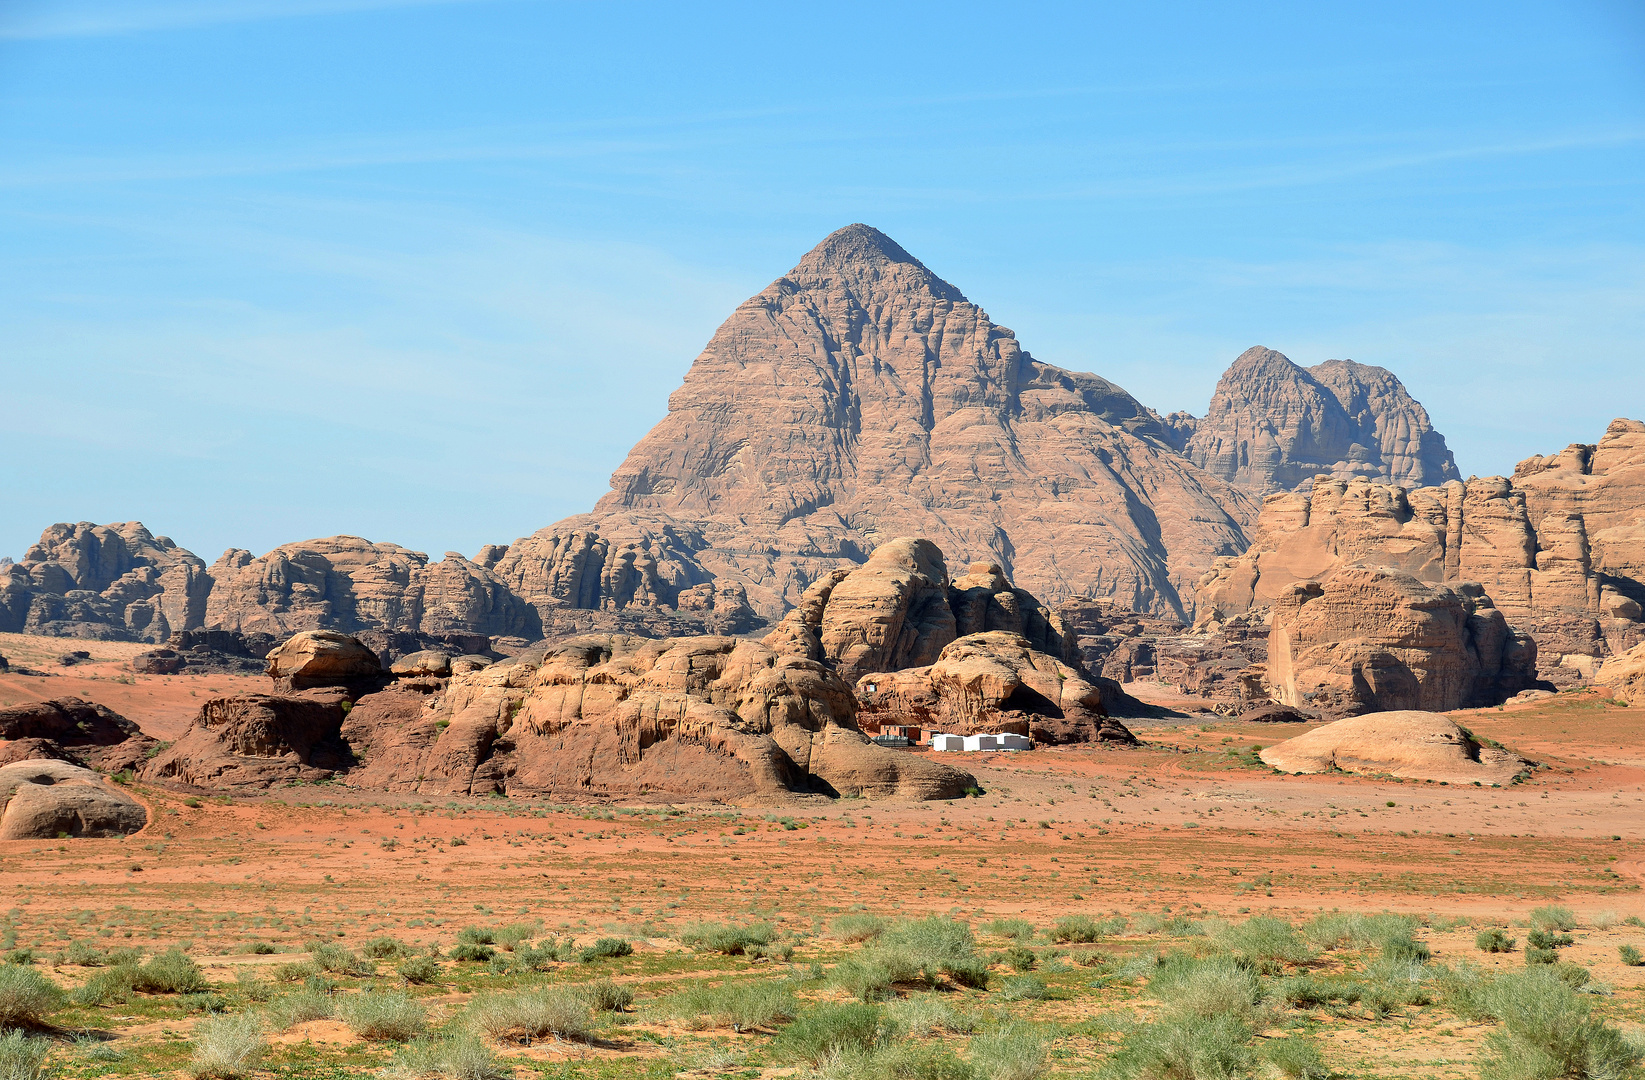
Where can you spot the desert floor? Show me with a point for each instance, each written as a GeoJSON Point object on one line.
{"type": "Point", "coordinates": [1182, 837]}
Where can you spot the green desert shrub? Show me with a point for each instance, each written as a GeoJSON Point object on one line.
{"type": "Point", "coordinates": [26, 996]}
{"type": "Point", "coordinates": [1017, 929]}
{"type": "Point", "coordinates": [1549, 1030]}
{"type": "Point", "coordinates": [858, 926]}
{"type": "Point", "coordinates": [1184, 1047]}
{"type": "Point", "coordinates": [864, 979]}
{"type": "Point", "coordinates": [470, 951]}
{"type": "Point", "coordinates": [108, 987]}
{"type": "Point", "coordinates": [1548, 939]}
{"type": "Point", "coordinates": [1020, 959]}
{"type": "Point", "coordinates": [419, 969]}
{"type": "Point", "coordinates": [297, 971]}
{"type": "Point", "coordinates": [23, 1058]}
{"type": "Point", "coordinates": [739, 1004]}
{"type": "Point", "coordinates": [1207, 987]}
{"type": "Point", "coordinates": [1630, 955]}
{"type": "Point", "coordinates": [603, 949]}
{"type": "Point", "coordinates": [456, 1056]}
{"type": "Point", "coordinates": [1263, 939]}
{"type": "Point", "coordinates": [1024, 988]}
{"type": "Point", "coordinates": [826, 1029]}
{"type": "Point", "coordinates": [1295, 1057]}
{"type": "Point", "coordinates": [171, 972]}
{"type": "Point", "coordinates": [1494, 940]}
{"type": "Point", "coordinates": [523, 1016]}
{"type": "Point", "coordinates": [260, 948]}
{"type": "Point", "coordinates": [299, 1008]}
{"type": "Point", "coordinates": [1534, 956]}
{"type": "Point", "coordinates": [1553, 917]}
{"type": "Point", "coordinates": [84, 953]}
{"type": "Point", "coordinates": [1014, 1052]}
{"type": "Point", "coordinates": [1307, 991]}
{"type": "Point", "coordinates": [895, 1061]}
{"type": "Point", "coordinates": [227, 1047]}
{"type": "Point", "coordinates": [386, 1015]}
{"type": "Point", "coordinates": [513, 935]}
{"type": "Point", "coordinates": [384, 948]}
{"type": "Point", "coordinates": [1393, 935]}
{"type": "Point", "coordinates": [603, 995]}
{"type": "Point", "coordinates": [922, 1015]}
{"type": "Point", "coordinates": [727, 938]}
{"type": "Point", "coordinates": [477, 935]}
{"type": "Point", "coordinates": [337, 960]}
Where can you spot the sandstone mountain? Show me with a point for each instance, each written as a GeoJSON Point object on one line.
{"type": "Point", "coordinates": [1273, 426]}
{"type": "Point", "coordinates": [861, 397]}
{"type": "Point", "coordinates": [1557, 547]}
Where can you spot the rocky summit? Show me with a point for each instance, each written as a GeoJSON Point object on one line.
{"type": "Point", "coordinates": [1274, 426]}
{"type": "Point", "coordinates": [861, 397]}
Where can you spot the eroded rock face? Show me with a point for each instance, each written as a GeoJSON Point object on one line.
{"type": "Point", "coordinates": [1556, 547]}
{"type": "Point", "coordinates": [74, 731]}
{"type": "Point", "coordinates": [1371, 639]}
{"type": "Point", "coordinates": [993, 681]}
{"type": "Point", "coordinates": [258, 741]}
{"type": "Point", "coordinates": [1274, 426]}
{"type": "Point", "coordinates": [1625, 675]}
{"type": "Point", "coordinates": [1410, 744]}
{"type": "Point", "coordinates": [860, 397]}
{"type": "Point", "coordinates": [45, 799]}
{"type": "Point", "coordinates": [350, 584]}
{"type": "Point", "coordinates": [113, 582]}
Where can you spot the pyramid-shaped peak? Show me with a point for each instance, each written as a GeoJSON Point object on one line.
{"type": "Point", "coordinates": [861, 251]}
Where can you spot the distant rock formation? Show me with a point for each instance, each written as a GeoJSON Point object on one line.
{"type": "Point", "coordinates": [1413, 745]}
{"type": "Point", "coordinates": [109, 582]}
{"type": "Point", "coordinates": [1557, 547]}
{"type": "Point", "coordinates": [860, 397]}
{"type": "Point", "coordinates": [1274, 426]}
{"type": "Point", "coordinates": [71, 730]}
{"type": "Point", "coordinates": [1370, 639]}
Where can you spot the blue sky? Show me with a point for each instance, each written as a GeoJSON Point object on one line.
{"type": "Point", "coordinates": [423, 271]}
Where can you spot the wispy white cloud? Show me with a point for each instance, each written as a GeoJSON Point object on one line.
{"type": "Point", "coordinates": [33, 21]}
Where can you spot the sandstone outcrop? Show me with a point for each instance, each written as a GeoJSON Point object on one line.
{"type": "Point", "coordinates": [350, 584]}
{"type": "Point", "coordinates": [1410, 744]}
{"type": "Point", "coordinates": [860, 397]}
{"type": "Point", "coordinates": [46, 799]}
{"type": "Point", "coordinates": [1556, 547]}
{"type": "Point", "coordinates": [74, 731]}
{"type": "Point", "coordinates": [1369, 639]}
{"type": "Point", "coordinates": [257, 741]}
{"type": "Point", "coordinates": [112, 582]}
{"type": "Point", "coordinates": [993, 681]}
{"type": "Point", "coordinates": [1625, 675]}
{"type": "Point", "coordinates": [1274, 426]}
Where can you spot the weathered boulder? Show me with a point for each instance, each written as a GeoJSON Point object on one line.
{"type": "Point", "coordinates": [992, 682]}
{"type": "Point", "coordinates": [1369, 639]}
{"type": "Point", "coordinates": [257, 741]}
{"type": "Point", "coordinates": [427, 662]}
{"type": "Point", "coordinates": [1625, 675]}
{"type": "Point", "coordinates": [323, 658]}
{"type": "Point", "coordinates": [1410, 744]}
{"type": "Point", "coordinates": [1273, 426]}
{"type": "Point", "coordinates": [45, 799]}
{"type": "Point", "coordinates": [74, 731]}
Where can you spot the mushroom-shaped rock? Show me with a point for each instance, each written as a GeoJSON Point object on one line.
{"type": "Point", "coordinates": [44, 799]}
{"type": "Point", "coordinates": [1410, 744]}
{"type": "Point", "coordinates": [322, 658]}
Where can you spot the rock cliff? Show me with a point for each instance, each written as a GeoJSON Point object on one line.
{"type": "Point", "coordinates": [1556, 547]}
{"type": "Point", "coordinates": [1274, 426]}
